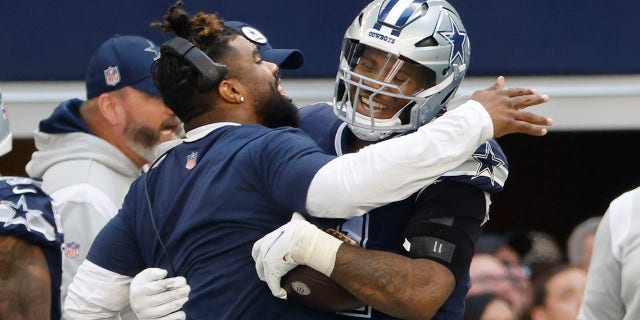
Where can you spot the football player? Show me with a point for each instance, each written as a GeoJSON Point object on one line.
{"type": "Point", "coordinates": [400, 66]}
{"type": "Point", "coordinates": [243, 170]}
{"type": "Point", "coordinates": [30, 241]}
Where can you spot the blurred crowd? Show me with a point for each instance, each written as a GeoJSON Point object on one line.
{"type": "Point", "coordinates": [528, 274]}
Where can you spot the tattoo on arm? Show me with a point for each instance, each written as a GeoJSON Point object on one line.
{"type": "Point", "coordinates": [24, 280]}
{"type": "Point", "coordinates": [394, 284]}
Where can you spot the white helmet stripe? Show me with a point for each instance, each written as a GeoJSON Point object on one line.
{"type": "Point", "coordinates": [398, 12]}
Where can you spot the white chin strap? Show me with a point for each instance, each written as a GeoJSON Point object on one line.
{"type": "Point", "coordinates": [368, 134]}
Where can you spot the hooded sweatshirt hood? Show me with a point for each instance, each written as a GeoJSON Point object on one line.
{"type": "Point", "coordinates": [65, 136]}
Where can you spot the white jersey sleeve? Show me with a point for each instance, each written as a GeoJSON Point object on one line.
{"type": "Point", "coordinates": [96, 293]}
{"type": "Point", "coordinates": [612, 281]}
{"type": "Point", "coordinates": [356, 183]}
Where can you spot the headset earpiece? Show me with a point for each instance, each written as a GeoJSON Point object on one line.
{"type": "Point", "coordinates": [210, 72]}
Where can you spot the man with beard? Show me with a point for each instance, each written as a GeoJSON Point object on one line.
{"type": "Point", "coordinates": [233, 179]}
{"type": "Point", "coordinates": [89, 152]}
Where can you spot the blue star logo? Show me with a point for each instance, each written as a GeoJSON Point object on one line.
{"type": "Point", "coordinates": [20, 214]}
{"type": "Point", "coordinates": [457, 39]}
{"type": "Point", "coordinates": [487, 162]}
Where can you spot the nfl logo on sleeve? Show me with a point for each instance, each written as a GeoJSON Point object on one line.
{"type": "Point", "coordinates": [71, 249]}
{"type": "Point", "coordinates": [112, 75]}
{"type": "Point", "coordinates": [191, 160]}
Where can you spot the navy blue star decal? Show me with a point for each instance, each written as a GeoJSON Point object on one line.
{"type": "Point", "coordinates": [487, 162]}
{"type": "Point", "coordinates": [17, 212]}
{"type": "Point", "coordinates": [457, 39]}
{"type": "Point", "coordinates": [20, 214]}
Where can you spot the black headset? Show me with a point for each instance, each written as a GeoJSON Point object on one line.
{"type": "Point", "coordinates": [210, 72]}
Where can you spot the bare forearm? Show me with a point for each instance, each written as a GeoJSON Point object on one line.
{"type": "Point", "coordinates": [24, 280]}
{"type": "Point", "coordinates": [397, 285]}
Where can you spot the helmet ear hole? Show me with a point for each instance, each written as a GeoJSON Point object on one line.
{"type": "Point", "coordinates": [427, 42]}
{"type": "Point", "coordinates": [360, 18]}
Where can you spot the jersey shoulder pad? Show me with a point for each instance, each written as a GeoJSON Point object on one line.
{"type": "Point", "coordinates": [27, 212]}
{"type": "Point", "coordinates": [487, 168]}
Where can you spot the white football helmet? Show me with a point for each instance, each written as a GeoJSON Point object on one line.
{"type": "Point", "coordinates": [5, 133]}
{"type": "Point", "coordinates": [414, 52]}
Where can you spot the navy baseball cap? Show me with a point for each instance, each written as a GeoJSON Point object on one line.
{"type": "Point", "coordinates": [122, 61]}
{"type": "Point", "coordinates": [285, 58]}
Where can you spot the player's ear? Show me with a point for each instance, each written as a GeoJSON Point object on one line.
{"type": "Point", "coordinates": [109, 107]}
{"type": "Point", "coordinates": [232, 91]}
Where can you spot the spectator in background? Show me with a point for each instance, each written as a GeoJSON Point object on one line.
{"type": "Point", "coordinates": [89, 152]}
{"type": "Point", "coordinates": [488, 306]}
{"type": "Point", "coordinates": [490, 275]}
{"type": "Point", "coordinates": [613, 290]}
{"type": "Point", "coordinates": [580, 243]}
{"type": "Point", "coordinates": [510, 249]}
{"type": "Point", "coordinates": [30, 239]}
{"type": "Point", "coordinates": [545, 253]}
{"type": "Point", "coordinates": [558, 293]}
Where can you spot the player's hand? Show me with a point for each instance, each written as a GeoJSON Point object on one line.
{"type": "Point", "coordinates": [271, 254]}
{"type": "Point", "coordinates": [505, 108]}
{"type": "Point", "coordinates": [297, 242]}
{"type": "Point", "coordinates": [154, 297]}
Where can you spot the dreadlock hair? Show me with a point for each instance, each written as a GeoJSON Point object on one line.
{"type": "Point", "coordinates": [175, 78]}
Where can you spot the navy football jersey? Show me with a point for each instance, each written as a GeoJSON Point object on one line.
{"type": "Point", "coordinates": [212, 198]}
{"type": "Point", "coordinates": [385, 228]}
{"type": "Point", "coordinates": [26, 212]}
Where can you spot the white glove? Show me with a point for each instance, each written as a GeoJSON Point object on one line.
{"type": "Point", "coordinates": [297, 242]}
{"type": "Point", "coordinates": [154, 297]}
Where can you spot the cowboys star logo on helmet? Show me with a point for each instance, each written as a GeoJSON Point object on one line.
{"type": "Point", "coordinates": [457, 39]}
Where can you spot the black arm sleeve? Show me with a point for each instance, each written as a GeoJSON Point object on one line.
{"type": "Point", "coordinates": [447, 224]}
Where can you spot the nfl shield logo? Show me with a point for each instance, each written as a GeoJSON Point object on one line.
{"type": "Point", "coordinates": [191, 160]}
{"type": "Point", "coordinates": [112, 76]}
{"type": "Point", "coordinates": [71, 250]}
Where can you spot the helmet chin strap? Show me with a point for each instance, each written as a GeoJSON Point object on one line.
{"type": "Point", "coordinates": [368, 134]}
